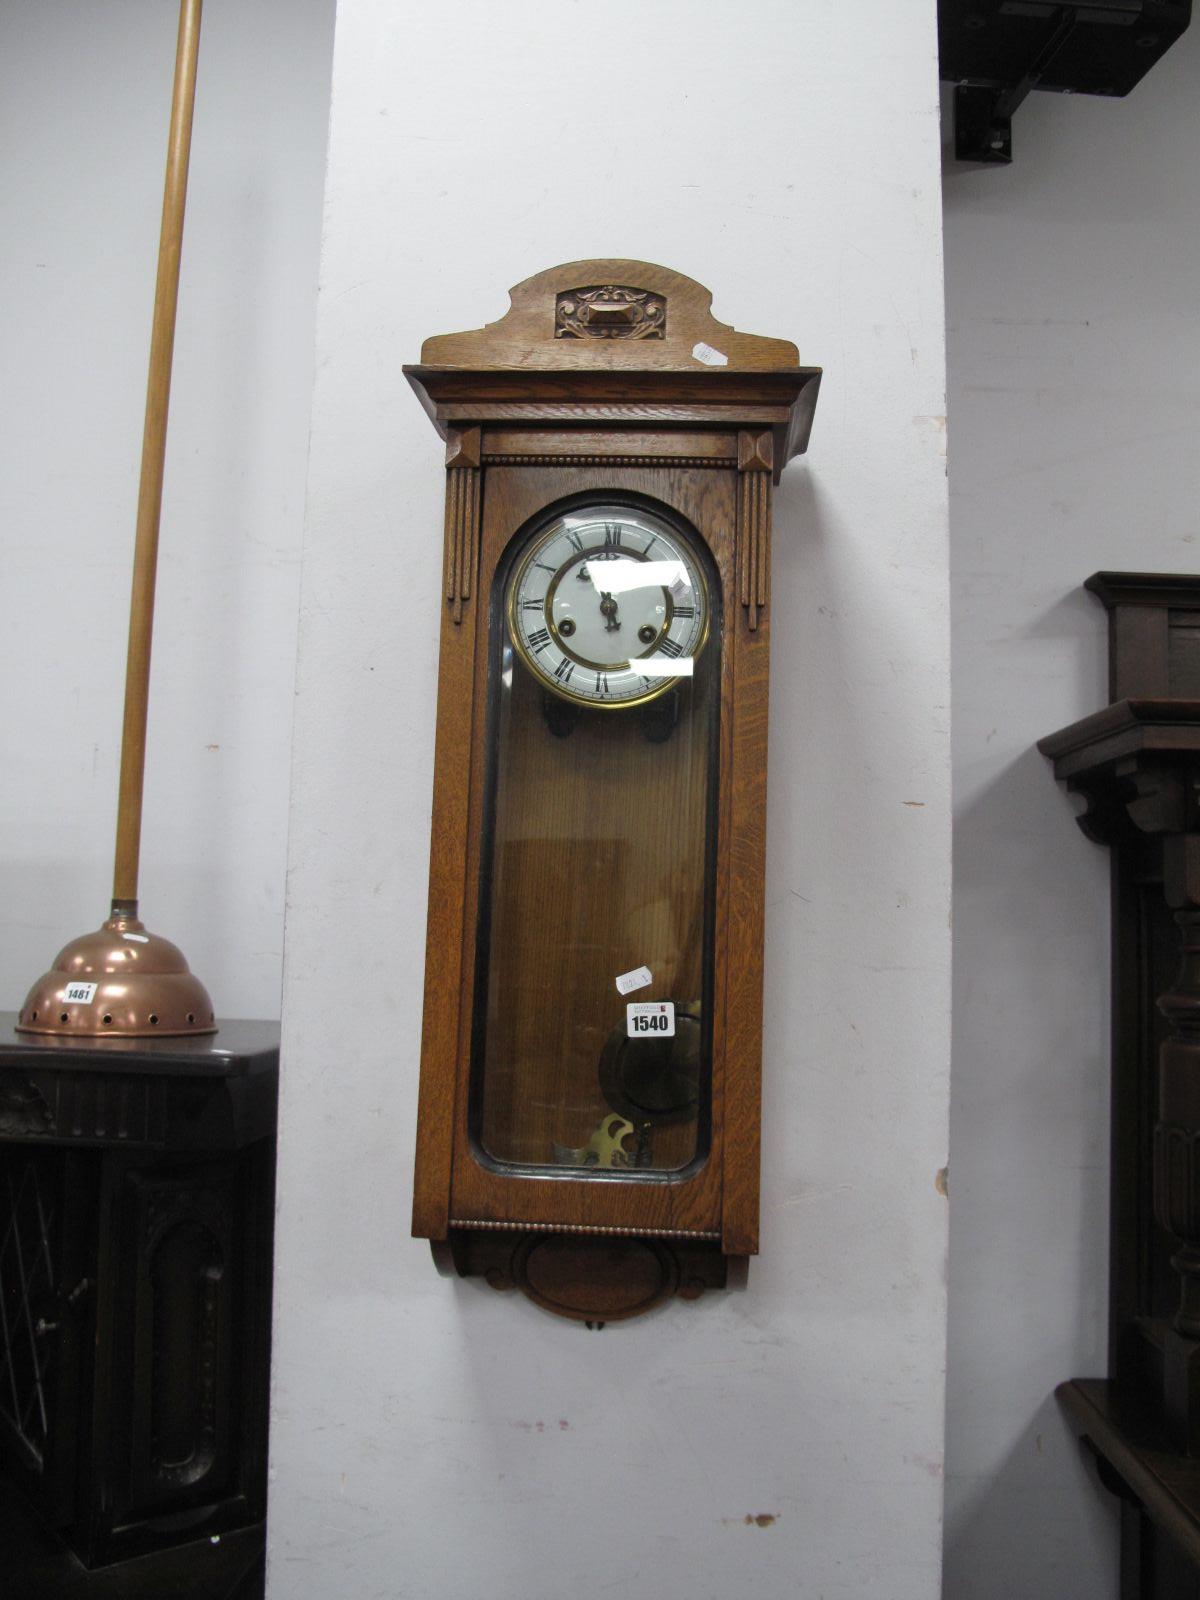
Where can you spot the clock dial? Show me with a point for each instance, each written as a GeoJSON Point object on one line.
{"type": "Point", "coordinates": [607, 605]}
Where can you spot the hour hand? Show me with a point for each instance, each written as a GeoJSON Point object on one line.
{"type": "Point", "coordinates": [608, 610]}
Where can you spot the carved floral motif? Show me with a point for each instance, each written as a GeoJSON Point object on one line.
{"type": "Point", "coordinates": [23, 1110]}
{"type": "Point", "coordinates": [610, 311]}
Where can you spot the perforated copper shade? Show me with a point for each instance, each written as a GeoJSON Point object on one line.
{"type": "Point", "coordinates": [118, 980]}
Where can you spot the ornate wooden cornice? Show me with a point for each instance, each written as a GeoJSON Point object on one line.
{"type": "Point", "coordinates": [1136, 763]}
{"type": "Point", "coordinates": [639, 341]}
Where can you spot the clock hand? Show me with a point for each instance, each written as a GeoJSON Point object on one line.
{"type": "Point", "coordinates": [608, 610]}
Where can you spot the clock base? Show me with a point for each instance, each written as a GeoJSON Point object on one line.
{"type": "Point", "coordinates": [590, 1278]}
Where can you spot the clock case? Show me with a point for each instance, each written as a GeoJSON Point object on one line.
{"type": "Point", "coordinates": [605, 377]}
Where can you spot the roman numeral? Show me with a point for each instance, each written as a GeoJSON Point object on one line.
{"type": "Point", "coordinates": [670, 648]}
{"type": "Point", "coordinates": [612, 535]}
{"type": "Point", "coordinates": [563, 671]}
{"type": "Point", "coordinates": [534, 605]}
{"type": "Point", "coordinates": [575, 539]}
{"type": "Point", "coordinates": [602, 683]}
{"type": "Point", "coordinates": [538, 641]}
{"type": "Point", "coordinates": [543, 566]}
{"type": "Point", "coordinates": [684, 611]}
{"type": "Point", "coordinates": [650, 546]}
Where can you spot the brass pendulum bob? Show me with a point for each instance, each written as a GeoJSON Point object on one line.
{"type": "Point", "coordinates": [121, 979]}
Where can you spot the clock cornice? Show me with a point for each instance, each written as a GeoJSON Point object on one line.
{"type": "Point", "coordinates": [658, 357]}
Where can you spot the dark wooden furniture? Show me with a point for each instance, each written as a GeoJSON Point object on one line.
{"type": "Point", "coordinates": [607, 382]}
{"type": "Point", "coordinates": [1137, 766]}
{"type": "Point", "coordinates": [136, 1211]}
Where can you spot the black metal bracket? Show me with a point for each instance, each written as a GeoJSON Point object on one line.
{"type": "Point", "coordinates": [983, 116]}
{"type": "Point", "coordinates": [981, 133]}
{"type": "Point", "coordinates": [997, 51]}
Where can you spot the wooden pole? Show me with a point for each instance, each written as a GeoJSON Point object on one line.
{"type": "Point", "coordinates": [154, 445]}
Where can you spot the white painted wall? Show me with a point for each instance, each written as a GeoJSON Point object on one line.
{"type": "Point", "coordinates": [434, 1438]}
{"type": "Point", "coordinates": [1072, 337]}
{"type": "Point", "coordinates": [1073, 341]}
{"type": "Point", "coordinates": [85, 92]}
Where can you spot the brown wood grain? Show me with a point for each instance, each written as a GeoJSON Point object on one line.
{"type": "Point", "coordinates": [658, 390]}
{"type": "Point", "coordinates": [512, 495]}
{"type": "Point", "coordinates": [525, 335]}
{"type": "Point", "coordinates": [599, 867]}
{"type": "Point", "coordinates": [553, 443]}
{"type": "Point", "coordinates": [154, 448]}
{"type": "Point", "coordinates": [578, 896]}
{"type": "Point", "coordinates": [743, 933]}
{"type": "Point", "coordinates": [445, 932]}
{"type": "Point", "coordinates": [784, 402]}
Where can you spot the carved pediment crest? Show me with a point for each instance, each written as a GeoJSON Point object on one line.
{"type": "Point", "coordinates": [610, 311]}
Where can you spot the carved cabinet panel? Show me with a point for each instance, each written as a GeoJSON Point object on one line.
{"type": "Point", "coordinates": [1136, 764]}
{"type": "Point", "coordinates": [136, 1199]}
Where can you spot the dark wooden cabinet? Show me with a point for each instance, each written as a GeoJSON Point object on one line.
{"type": "Point", "coordinates": [1137, 766]}
{"type": "Point", "coordinates": [136, 1210]}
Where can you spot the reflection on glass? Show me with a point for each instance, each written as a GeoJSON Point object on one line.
{"type": "Point", "coordinates": [602, 810]}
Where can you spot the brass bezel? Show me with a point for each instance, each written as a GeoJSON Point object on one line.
{"type": "Point", "coordinates": [538, 541]}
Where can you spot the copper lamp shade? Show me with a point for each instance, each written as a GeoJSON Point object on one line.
{"type": "Point", "coordinates": [118, 980]}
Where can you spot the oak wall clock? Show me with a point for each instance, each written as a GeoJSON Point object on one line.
{"type": "Point", "coordinates": [588, 1126]}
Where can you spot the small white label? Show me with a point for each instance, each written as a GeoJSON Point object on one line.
{"type": "Point", "coordinates": [709, 356]}
{"type": "Point", "coordinates": [137, 938]}
{"type": "Point", "coordinates": [80, 994]}
{"type": "Point", "coordinates": [637, 979]}
{"type": "Point", "coordinates": [619, 577]}
{"type": "Point", "coordinates": [664, 667]}
{"type": "Point", "coordinates": [650, 1019]}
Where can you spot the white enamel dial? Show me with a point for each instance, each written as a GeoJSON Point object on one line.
{"type": "Point", "coordinates": [608, 606]}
